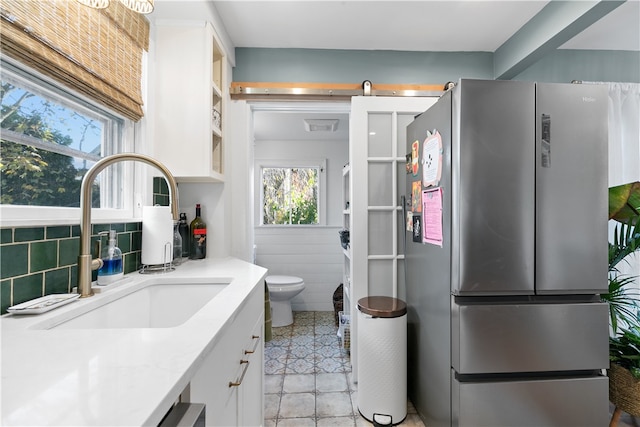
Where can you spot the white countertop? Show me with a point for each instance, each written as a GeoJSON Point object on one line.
{"type": "Point", "coordinates": [114, 377]}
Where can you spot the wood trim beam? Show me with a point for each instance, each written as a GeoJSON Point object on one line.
{"type": "Point", "coordinates": [306, 90]}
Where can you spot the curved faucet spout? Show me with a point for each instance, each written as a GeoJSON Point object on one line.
{"type": "Point", "coordinates": [86, 263]}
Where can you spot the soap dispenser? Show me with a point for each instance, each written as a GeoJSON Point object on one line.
{"type": "Point", "coordinates": [112, 268]}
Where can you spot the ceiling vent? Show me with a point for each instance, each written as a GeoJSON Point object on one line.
{"type": "Point", "coordinates": [321, 125]}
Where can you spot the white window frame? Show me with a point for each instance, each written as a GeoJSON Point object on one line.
{"type": "Point", "coordinates": [321, 164]}
{"type": "Point", "coordinates": [19, 215]}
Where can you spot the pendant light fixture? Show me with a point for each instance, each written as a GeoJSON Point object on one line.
{"type": "Point", "coordinates": [96, 4]}
{"type": "Point", "coordinates": [140, 6]}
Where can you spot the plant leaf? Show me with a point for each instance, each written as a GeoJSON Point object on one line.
{"type": "Point", "coordinates": [623, 300]}
{"type": "Point", "coordinates": [624, 201]}
{"type": "Point", "coordinates": [626, 240]}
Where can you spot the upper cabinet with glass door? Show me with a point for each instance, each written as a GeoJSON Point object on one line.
{"type": "Point", "coordinates": [190, 84]}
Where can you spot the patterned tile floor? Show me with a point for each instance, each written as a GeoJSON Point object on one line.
{"type": "Point", "coordinates": [308, 377]}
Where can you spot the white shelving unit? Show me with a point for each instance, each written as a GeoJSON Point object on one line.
{"type": "Point", "coordinates": [346, 224]}
{"type": "Point", "coordinates": [190, 97]}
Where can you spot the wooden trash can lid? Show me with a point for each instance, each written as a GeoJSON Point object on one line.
{"type": "Point", "coordinates": [379, 306]}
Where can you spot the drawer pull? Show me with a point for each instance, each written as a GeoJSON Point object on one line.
{"type": "Point", "coordinates": [244, 371]}
{"type": "Point", "coordinates": [255, 345]}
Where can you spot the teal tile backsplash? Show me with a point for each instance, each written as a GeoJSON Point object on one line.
{"type": "Point", "coordinates": [160, 191]}
{"type": "Point", "coordinates": [43, 255]}
{"type": "Point", "coordinates": [6, 235]}
{"type": "Point", "coordinates": [14, 260]}
{"type": "Point", "coordinates": [5, 293]}
{"type": "Point", "coordinates": [38, 261]}
{"type": "Point", "coordinates": [28, 234]}
{"type": "Point", "coordinates": [56, 281]}
{"type": "Point", "coordinates": [27, 287]}
{"type": "Point", "coordinates": [58, 232]}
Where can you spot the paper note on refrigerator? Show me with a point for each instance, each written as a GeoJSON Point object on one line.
{"type": "Point", "coordinates": [432, 159]}
{"type": "Point", "coordinates": [432, 216]}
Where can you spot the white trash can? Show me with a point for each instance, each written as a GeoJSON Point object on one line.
{"type": "Point", "coordinates": [382, 360]}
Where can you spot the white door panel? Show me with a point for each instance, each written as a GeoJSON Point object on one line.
{"type": "Point", "coordinates": [377, 148]}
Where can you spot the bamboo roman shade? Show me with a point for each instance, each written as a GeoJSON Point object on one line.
{"type": "Point", "coordinates": [96, 52]}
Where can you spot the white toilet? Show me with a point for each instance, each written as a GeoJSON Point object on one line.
{"type": "Point", "coordinates": [281, 290]}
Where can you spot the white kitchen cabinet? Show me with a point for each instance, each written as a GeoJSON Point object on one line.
{"type": "Point", "coordinates": [190, 93]}
{"type": "Point", "coordinates": [229, 382]}
{"type": "Point", "coordinates": [251, 391]}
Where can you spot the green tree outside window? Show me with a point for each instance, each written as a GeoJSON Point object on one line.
{"type": "Point", "coordinates": [46, 147]}
{"type": "Point", "coordinates": [290, 196]}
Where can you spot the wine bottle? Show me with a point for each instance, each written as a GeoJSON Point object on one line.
{"type": "Point", "coordinates": [183, 228]}
{"type": "Point", "coordinates": [198, 236]}
{"type": "Point", "coordinates": [177, 244]}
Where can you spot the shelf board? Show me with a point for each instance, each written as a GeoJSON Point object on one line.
{"type": "Point", "coordinates": [347, 292]}
{"type": "Point", "coordinates": [216, 90]}
{"type": "Point", "coordinates": [213, 177]}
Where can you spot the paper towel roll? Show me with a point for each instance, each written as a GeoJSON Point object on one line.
{"type": "Point", "coordinates": [157, 235]}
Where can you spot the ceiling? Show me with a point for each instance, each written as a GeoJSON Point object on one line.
{"type": "Point", "coordinates": [290, 126]}
{"type": "Point", "coordinates": [454, 26]}
{"type": "Point", "coordinates": [408, 25]}
{"type": "Point", "coordinates": [396, 25]}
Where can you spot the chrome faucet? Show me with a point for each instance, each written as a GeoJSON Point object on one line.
{"type": "Point", "coordinates": [86, 263]}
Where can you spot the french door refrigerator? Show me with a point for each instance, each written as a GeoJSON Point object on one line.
{"type": "Point", "coordinates": [506, 255]}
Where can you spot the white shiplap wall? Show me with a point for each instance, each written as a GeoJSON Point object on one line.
{"type": "Point", "coordinates": [312, 253]}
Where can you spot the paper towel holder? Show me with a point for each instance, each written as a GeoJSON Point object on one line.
{"type": "Point", "coordinates": [165, 267]}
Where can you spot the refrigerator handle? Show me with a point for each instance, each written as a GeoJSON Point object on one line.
{"type": "Point", "coordinates": [403, 202]}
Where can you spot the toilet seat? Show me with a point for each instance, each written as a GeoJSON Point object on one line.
{"type": "Point", "coordinates": [283, 280]}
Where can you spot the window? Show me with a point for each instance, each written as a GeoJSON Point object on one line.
{"type": "Point", "coordinates": [291, 195]}
{"type": "Point", "coordinates": [49, 139]}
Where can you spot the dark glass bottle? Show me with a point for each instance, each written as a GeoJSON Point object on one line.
{"type": "Point", "coordinates": [198, 237]}
{"type": "Point", "coordinates": [183, 229]}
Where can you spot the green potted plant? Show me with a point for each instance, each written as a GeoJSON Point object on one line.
{"type": "Point", "coordinates": [624, 344]}
{"type": "Point", "coordinates": [624, 372]}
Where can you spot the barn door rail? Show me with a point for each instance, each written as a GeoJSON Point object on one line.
{"type": "Point", "coordinates": [289, 90]}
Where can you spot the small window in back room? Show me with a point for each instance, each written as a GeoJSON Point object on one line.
{"type": "Point", "coordinates": [49, 139]}
{"type": "Point", "coordinates": [290, 195]}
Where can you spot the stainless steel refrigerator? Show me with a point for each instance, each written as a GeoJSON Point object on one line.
{"type": "Point", "coordinates": [506, 254]}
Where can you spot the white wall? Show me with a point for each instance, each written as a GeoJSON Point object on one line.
{"type": "Point", "coordinates": [238, 173]}
{"type": "Point", "coordinates": [310, 252]}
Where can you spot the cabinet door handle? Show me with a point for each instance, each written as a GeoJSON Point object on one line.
{"type": "Point", "coordinates": [255, 345]}
{"type": "Point", "coordinates": [244, 371]}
